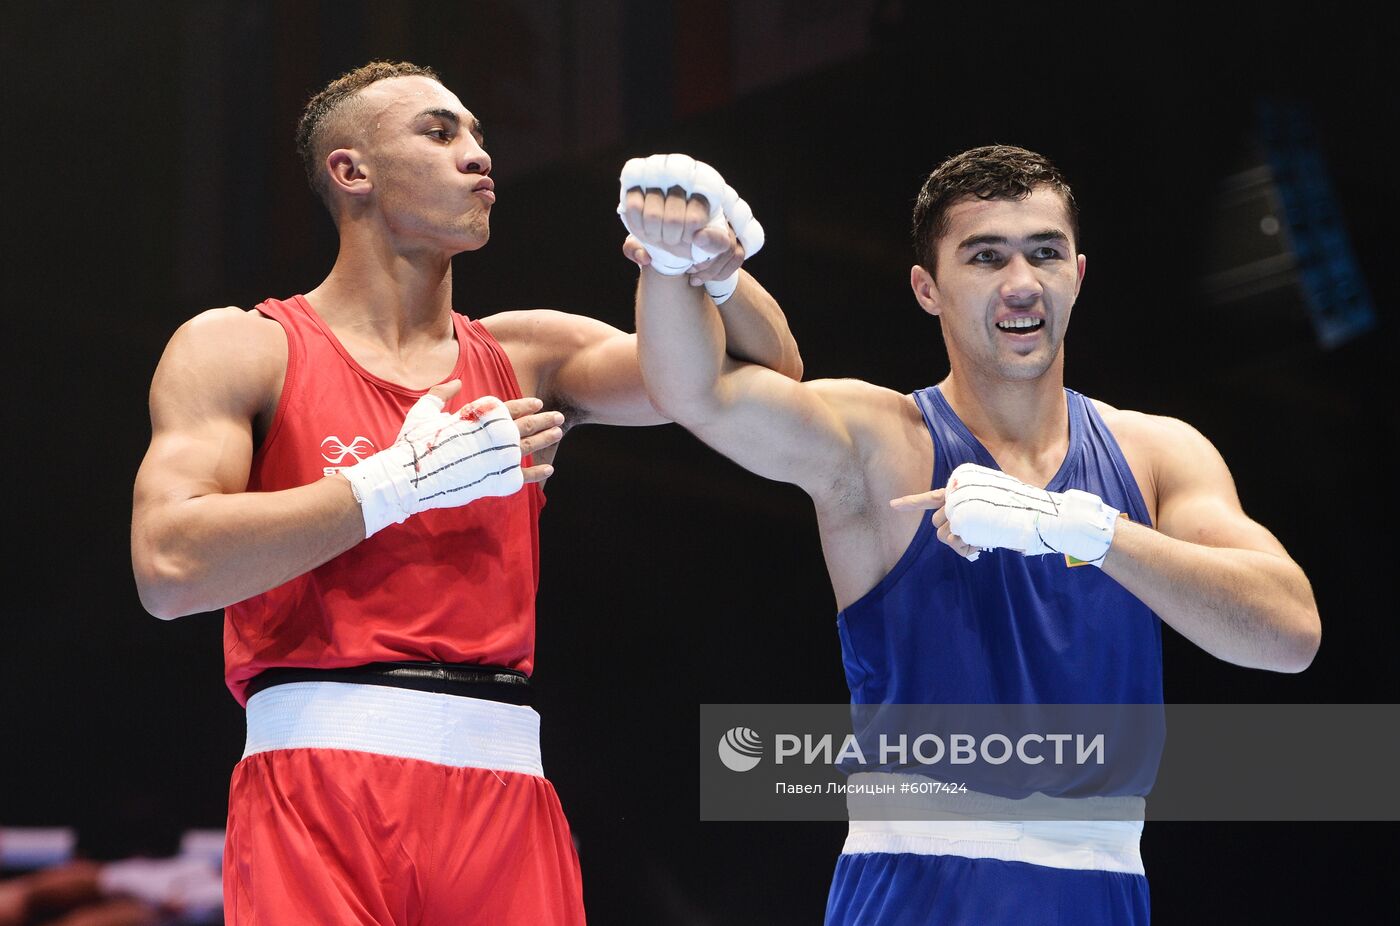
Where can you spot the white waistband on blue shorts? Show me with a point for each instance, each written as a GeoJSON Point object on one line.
{"type": "Point", "coordinates": [441, 728]}
{"type": "Point", "coordinates": [1089, 845]}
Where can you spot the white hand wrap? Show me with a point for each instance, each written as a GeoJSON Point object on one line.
{"type": "Point", "coordinates": [664, 171]}
{"type": "Point", "coordinates": [439, 461]}
{"type": "Point", "coordinates": [988, 509]}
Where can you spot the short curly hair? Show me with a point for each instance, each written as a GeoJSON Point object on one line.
{"type": "Point", "coordinates": [989, 172]}
{"type": "Point", "coordinates": [313, 127]}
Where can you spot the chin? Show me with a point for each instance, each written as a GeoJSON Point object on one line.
{"type": "Point", "coordinates": [1027, 368]}
{"type": "Point", "coordinates": [473, 239]}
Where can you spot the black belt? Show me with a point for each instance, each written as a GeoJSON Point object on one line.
{"type": "Point", "coordinates": [492, 683]}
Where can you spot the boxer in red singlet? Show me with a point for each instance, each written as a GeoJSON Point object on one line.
{"type": "Point", "coordinates": [354, 475]}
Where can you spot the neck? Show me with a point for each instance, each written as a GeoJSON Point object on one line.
{"type": "Point", "coordinates": [391, 295]}
{"type": "Point", "coordinates": [1028, 414]}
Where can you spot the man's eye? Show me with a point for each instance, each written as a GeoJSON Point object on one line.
{"type": "Point", "coordinates": [985, 257]}
{"type": "Point", "coordinates": [1046, 254]}
{"type": "Point", "coordinates": [441, 134]}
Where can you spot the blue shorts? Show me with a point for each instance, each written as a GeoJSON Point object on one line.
{"type": "Point", "coordinates": [898, 889]}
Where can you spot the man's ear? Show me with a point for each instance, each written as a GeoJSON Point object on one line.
{"type": "Point", "coordinates": [925, 289]}
{"type": "Point", "coordinates": [348, 172]}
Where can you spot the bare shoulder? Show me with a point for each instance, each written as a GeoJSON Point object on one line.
{"type": "Point", "coordinates": [238, 334]}
{"type": "Point", "coordinates": [1164, 453]}
{"type": "Point", "coordinates": [873, 414]}
{"type": "Point", "coordinates": [228, 356]}
{"type": "Point", "coordinates": [1154, 435]}
{"type": "Point", "coordinates": [886, 433]}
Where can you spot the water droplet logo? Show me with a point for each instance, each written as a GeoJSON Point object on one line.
{"type": "Point", "coordinates": [740, 749]}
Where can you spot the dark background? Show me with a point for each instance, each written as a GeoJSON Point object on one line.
{"type": "Point", "coordinates": [149, 174]}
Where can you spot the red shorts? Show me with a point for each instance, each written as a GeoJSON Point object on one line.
{"type": "Point", "coordinates": [335, 836]}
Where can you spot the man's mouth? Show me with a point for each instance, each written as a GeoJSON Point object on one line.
{"type": "Point", "coordinates": [1021, 325]}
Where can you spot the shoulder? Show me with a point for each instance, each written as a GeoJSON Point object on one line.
{"type": "Point", "coordinates": [233, 353]}
{"type": "Point", "coordinates": [230, 330]}
{"type": "Point", "coordinates": [1157, 435]}
{"type": "Point", "coordinates": [865, 406]}
{"type": "Point", "coordinates": [882, 424]}
{"type": "Point", "coordinates": [1166, 454]}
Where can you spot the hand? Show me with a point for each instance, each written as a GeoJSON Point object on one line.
{"type": "Point", "coordinates": [538, 430]}
{"type": "Point", "coordinates": [935, 501]}
{"type": "Point", "coordinates": [664, 225]}
{"type": "Point", "coordinates": [686, 219]}
{"type": "Point", "coordinates": [988, 508]}
{"type": "Point", "coordinates": [442, 460]}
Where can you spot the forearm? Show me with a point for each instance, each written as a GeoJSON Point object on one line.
{"type": "Point", "coordinates": [680, 343]}
{"type": "Point", "coordinates": [756, 331]}
{"type": "Point", "coordinates": [1246, 607]}
{"type": "Point", "coordinates": [201, 554]}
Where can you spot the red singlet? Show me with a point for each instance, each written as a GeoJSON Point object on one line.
{"type": "Point", "coordinates": [448, 585]}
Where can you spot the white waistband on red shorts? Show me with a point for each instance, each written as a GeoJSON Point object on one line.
{"type": "Point", "coordinates": [990, 830]}
{"type": "Point", "coordinates": [441, 728]}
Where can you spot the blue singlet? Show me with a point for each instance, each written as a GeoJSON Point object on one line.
{"type": "Point", "coordinates": [1007, 629]}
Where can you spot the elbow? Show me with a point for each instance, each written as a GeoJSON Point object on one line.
{"type": "Point", "coordinates": [161, 607]}
{"type": "Point", "coordinates": [788, 360]}
{"type": "Point", "coordinates": [792, 366]}
{"type": "Point", "coordinates": [1297, 646]}
{"type": "Point", "coordinates": [685, 403]}
{"type": "Point", "coordinates": [688, 411]}
{"type": "Point", "coordinates": [167, 588]}
{"type": "Point", "coordinates": [1306, 642]}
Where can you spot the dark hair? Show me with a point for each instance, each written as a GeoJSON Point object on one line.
{"type": "Point", "coordinates": [990, 172]}
{"type": "Point", "coordinates": [311, 128]}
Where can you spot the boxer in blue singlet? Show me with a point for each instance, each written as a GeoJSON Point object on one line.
{"type": "Point", "coordinates": [1063, 530]}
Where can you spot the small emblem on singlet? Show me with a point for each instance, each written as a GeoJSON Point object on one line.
{"type": "Point", "coordinates": [334, 450]}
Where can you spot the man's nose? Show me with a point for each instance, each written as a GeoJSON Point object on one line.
{"type": "Point", "coordinates": [476, 161]}
{"type": "Point", "coordinates": [1019, 286]}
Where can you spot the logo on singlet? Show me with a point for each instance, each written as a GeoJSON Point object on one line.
{"type": "Point", "coordinates": [740, 749]}
{"type": "Point", "coordinates": [335, 450]}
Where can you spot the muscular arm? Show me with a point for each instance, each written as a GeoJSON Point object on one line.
{"type": "Point", "coordinates": [756, 330]}
{"type": "Point", "coordinates": [1214, 575]}
{"type": "Point", "coordinates": [199, 540]}
{"type": "Point", "coordinates": [776, 427]}
{"type": "Point", "coordinates": [591, 369]}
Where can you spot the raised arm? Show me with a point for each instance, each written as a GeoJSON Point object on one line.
{"type": "Point", "coordinates": [1216, 576]}
{"type": "Point", "coordinates": [803, 433]}
{"type": "Point", "coordinates": [199, 539]}
{"type": "Point", "coordinates": [590, 369]}
{"type": "Point", "coordinates": [685, 220]}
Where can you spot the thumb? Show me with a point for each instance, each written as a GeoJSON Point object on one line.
{"type": "Point", "coordinates": [634, 251]}
{"type": "Point", "coordinates": [712, 239]}
{"type": "Point", "coordinates": [431, 404]}
{"type": "Point", "coordinates": [445, 391]}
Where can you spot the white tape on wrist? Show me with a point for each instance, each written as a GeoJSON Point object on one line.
{"type": "Point", "coordinates": [727, 209]}
{"type": "Point", "coordinates": [990, 509]}
{"type": "Point", "coordinates": [439, 460]}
